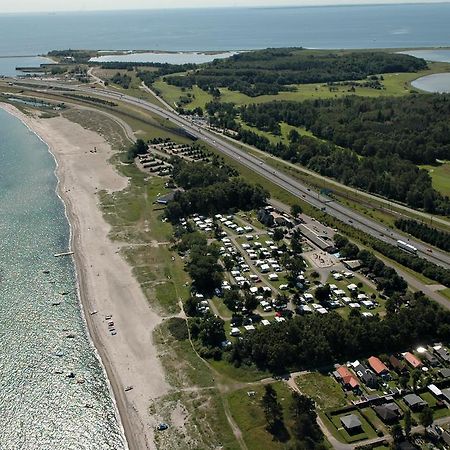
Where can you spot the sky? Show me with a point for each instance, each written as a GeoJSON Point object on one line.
{"type": "Point", "coordinates": [7, 6]}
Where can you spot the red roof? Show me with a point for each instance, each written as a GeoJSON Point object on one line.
{"type": "Point", "coordinates": [415, 362]}
{"type": "Point", "coordinates": [347, 377]}
{"type": "Point", "coordinates": [377, 365]}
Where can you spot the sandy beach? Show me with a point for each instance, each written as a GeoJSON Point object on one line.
{"type": "Point", "coordinates": [106, 283]}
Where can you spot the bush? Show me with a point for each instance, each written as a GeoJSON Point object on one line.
{"type": "Point", "coordinates": [178, 328]}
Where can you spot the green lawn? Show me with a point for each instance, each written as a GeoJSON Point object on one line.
{"type": "Point", "coordinates": [376, 422]}
{"type": "Point", "coordinates": [367, 430]}
{"type": "Point", "coordinates": [440, 175]}
{"type": "Point", "coordinates": [325, 391]}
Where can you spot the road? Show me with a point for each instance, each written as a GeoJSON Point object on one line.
{"type": "Point", "coordinates": [258, 166]}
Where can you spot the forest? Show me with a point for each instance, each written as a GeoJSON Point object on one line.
{"type": "Point", "coordinates": [318, 341]}
{"type": "Point", "coordinates": [425, 233]}
{"type": "Point", "coordinates": [415, 127]}
{"type": "Point", "coordinates": [209, 189]}
{"type": "Point", "coordinates": [373, 144]}
{"type": "Point", "coordinates": [271, 70]}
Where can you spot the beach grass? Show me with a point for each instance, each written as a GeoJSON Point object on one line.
{"type": "Point", "coordinates": [194, 395]}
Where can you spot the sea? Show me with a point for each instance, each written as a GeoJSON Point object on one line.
{"type": "Point", "coordinates": [382, 26]}
{"type": "Point", "coordinates": [53, 390]}
{"type": "Point", "coordinates": [45, 351]}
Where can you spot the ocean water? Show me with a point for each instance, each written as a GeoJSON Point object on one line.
{"type": "Point", "coordinates": [439, 55]}
{"type": "Point", "coordinates": [8, 65]}
{"type": "Point", "coordinates": [40, 408]}
{"type": "Point", "coordinates": [412, 26]}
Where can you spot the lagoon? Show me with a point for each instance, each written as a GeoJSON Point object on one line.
{"type": "Point", "coordinates": [436, 83]}
{"type": "Point", "coordinates": [164, 57]}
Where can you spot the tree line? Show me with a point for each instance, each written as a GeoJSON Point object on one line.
{"type": "Point", "coordinates": [273, 70]}
{"type": "Point", "coordinates": [387, 279]}
{"type": "Point", "coordinates": [425, 233]}
{"type": "Point", "coordinates": [207, 195]}
{"type": "Point", "coordinates": [320, 340]}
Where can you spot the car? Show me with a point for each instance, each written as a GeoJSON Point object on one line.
{"type": "Point", "coordinates": [162, 426]}
{"type": "Point", "coordinates": [429, 250]}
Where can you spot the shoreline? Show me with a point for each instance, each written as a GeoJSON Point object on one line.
{"type": "Point", "coordinates": [136, 427]}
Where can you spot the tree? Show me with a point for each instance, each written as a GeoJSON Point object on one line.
{"type": "Point", "coordinates": [232, 299]}
{"type": "Point", "coordinates": [273, 411]}
{"type": "Point", "coordinates": [323, 293]}
{"type": "Point", "coordinates": [296, 243]}
{"type": "Point", "coordinates": [407, 419]}
{"type": "Point", "coordinates": [209, 330]}
{"type": "Point", "coordinates": [190, 306]}
{"type": "Point", "coordinates": [296, 209]}
{"type": "Point", "coordinates": [228, 263]}
{"type": "Point", "coordinates": [397, 433]}
{"type": "Point", "coordinates": [305, 427]}
{"type": "Point", "coordinates": [250, 302]}
{"type": "Point", "coordinates": [278, 234]}
{"type": "Point", "coordinates": [138, 148]}
{"type": "Point", "coordinates": [403, 381]}
{"type": "Point", "coordinates": [426, 416]}
{"type": "Point", "coordinates": [415, 377]}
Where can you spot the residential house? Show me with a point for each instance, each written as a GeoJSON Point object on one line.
{"type": "Point", "coordinates": [431, 359]}
{"type": "Point", "coordinates": [366, 375]}
{"type": "Point", "coordinates": [346, 378]}
{"type": "Point", "coordinates": [378, 366]}
{"type": "Point", "coordinates": [388, 412]}
{"type": "Point", "coordinates": [416, 363]}
{"type": "Point", "coordinates": [414, 402]}
{"type": "Point", "coordinates": [352, 424]}
{"type": "Point", "coordinates": [397, 365]}
{"type": "Point", "coordinates": [442, 353]}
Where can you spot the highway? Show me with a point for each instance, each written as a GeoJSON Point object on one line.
{"type": "Point", "coordinates": [277, 177]}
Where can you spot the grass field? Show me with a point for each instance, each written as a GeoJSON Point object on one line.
{"type": "Point", "coordinates": [440, 175]}
{"type": "Point", "coordinates": [135, 86]}
{"type": "Point", "coordinates": [325, 391]}
{"type": "Point", "coordinates": [394, 85]}
{"type": "Point", "coordinates": [173, 94]}
{"type": "Point", "coordinates": [248, 414]}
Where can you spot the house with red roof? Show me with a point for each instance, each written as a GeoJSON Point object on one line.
{"type": "Point", "coordinates": [412, 360]}
{"type": "Point", "coordinates": [378, 366]}
{"type": "Point", "coordinates": [346, 378]}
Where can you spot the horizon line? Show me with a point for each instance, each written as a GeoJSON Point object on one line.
{"type": "Point", "coordinates": [287, 5]}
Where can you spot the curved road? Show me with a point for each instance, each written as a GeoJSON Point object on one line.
{"type": "Point", "coordinates": [277, 177]}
